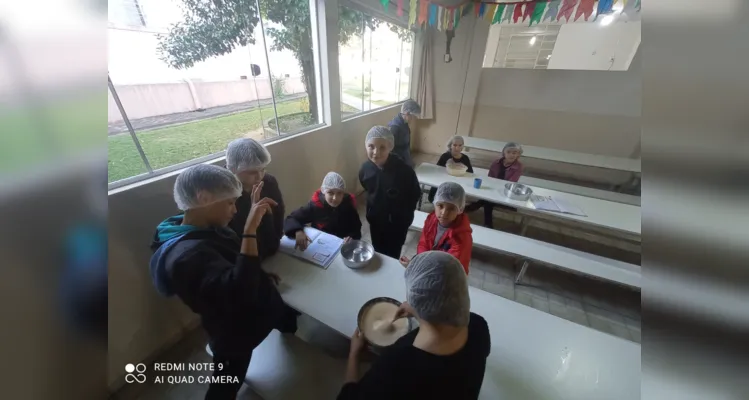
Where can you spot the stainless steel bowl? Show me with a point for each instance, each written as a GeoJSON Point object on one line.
{"type": "Point", "coordinates": [518, 191]}
{"type": "Point", "coordinates": [372, 346]}
{"type": "Point", "coordinates": [357, 254]}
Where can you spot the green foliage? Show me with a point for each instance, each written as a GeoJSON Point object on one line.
{"type": "Point", "coordinates": [209, 28]}
{"type": "Point", "coordinates": [278, 86]}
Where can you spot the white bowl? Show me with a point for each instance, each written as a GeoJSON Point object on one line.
{"type": "Point", "coordinates": [456, 169]}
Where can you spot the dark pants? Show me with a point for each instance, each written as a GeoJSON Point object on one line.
{"type": "Point", "coordinates": [488, 209]}
{"type": "Point", "coordinates": [388, 238]}
{"type": "Point", "coordinates": [234, 366]}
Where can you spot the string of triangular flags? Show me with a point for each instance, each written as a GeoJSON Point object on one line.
{"type": "Point", "coordinates": [422, 13]}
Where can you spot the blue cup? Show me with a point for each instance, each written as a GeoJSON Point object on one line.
{"type": "Point", "coordinates": [477, 183]}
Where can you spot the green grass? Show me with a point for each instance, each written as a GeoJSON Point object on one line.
{"type": "Point", "coordinates": [175, 144]}
{"type": "Point", "coordinates": [49, 131]}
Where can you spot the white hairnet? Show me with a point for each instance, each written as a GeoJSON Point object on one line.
{"type": "Point", "coordinates": [410, 107]}
{"type": "Point", "coordinates": [380, 132]}
{"type": "Point", "coordinates": [245, 153]}
{"type": "Point", "coordinates": [333, 181]}
{"type": "Point", "coordinates": [451, 192]}
{"type": "Point", "coordinates": [214, 182]}
{"type": "Point", "coordinates": [456, 138]}
{"type": "Point", "coordinates": [437, 288]}
{"type": "Point", "coordinates": [513, 145]}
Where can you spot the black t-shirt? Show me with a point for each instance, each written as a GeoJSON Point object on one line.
{"type": "Point", "coordinates": [406, 372]}
{"type": "Point", "coordinates": [442, 162]}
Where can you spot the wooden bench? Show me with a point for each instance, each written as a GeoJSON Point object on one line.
{"type": "Point", "coordinates": [531, 250]}
{"type": "Point", "coordinates": [284, 366]}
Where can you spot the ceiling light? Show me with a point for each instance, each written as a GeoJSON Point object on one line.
{"type": "Point", "coordinates": [607, 20]}
{"type": "Point", "coordinates": [548, 57]}
{"type": "Point", "coordinates": [533, 40]}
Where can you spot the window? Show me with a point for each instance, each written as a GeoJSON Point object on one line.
{"type": "Point", "coordinates": [374, 60]}
{"type": "Point", "coordinates": [524, 47]}
{"type": "Point", "coordinates": [126, 13]}
{"type": "Point", "coordinates": [185, 94]}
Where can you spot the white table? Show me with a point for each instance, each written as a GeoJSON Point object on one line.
{"type": "Point", "coordinates": [569, 157]}
{"type": "Point", "coordinates": [618, 217]}
{"type": "Point", "coordinates": [534, 355]}
{"type": "Point", "coordinates": [574, 189]}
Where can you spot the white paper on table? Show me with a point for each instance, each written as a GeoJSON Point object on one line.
{"type": "Point", "coordinates": [547, 203]}
{"type": "Point", "coordinates": [321, 251]}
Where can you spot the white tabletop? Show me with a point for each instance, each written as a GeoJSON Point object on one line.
{"type": "Point", "coordinates": [606, 214]}
{"type": "Point", "coordinates": [534, 355]}
{"type": "Point", "coordinates": [569, 157]}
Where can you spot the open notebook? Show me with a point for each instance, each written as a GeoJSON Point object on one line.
{"type": "Point", "coordinates": [323, 247]}
{"type": "Point", "coordinates": [547, 203]}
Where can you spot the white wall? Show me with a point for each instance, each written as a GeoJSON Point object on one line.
{"type": "Point", "coordinates": [141, 323]}
{"type": "Point", "coordinates": [596, 47]}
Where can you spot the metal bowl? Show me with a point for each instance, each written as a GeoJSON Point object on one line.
{"type": "Point", "coordinates": [518, 191]}
{"type": "Point", "coordinates": [374, 347]}
{"type": "Point", "coordinates": [357, 254]}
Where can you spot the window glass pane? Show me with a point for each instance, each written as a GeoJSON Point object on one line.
{"type": "Point", "coordinates": [374, 62]}
{"type": "Point", "coordinates": [124, 161]}
{"type": "Point", "coordinates": [190, 89]}
{"type": "Point", "coordinates": [290, 49]}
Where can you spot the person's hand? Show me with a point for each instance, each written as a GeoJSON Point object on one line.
{"type": "Point", "coordinates": [346, 239]}
{"type": "Point", "coordinates": [302, 240]}
{"type": "Point", "coordinates": [275, 278]}
{"type": "Point", "coordinates": [256, 190]}
{"type": "Point", "coordinates": [357, 343]}
{"type": "Point", "coordinates": [258, 210]}
{"type": "Point", "coordinates": [402, 312]}
{"type": "Point", "coordinates": [404, 261]}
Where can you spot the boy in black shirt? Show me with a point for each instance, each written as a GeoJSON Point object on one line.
{"type": "Point", "coordinates": [445, 357]}
{"type": "Point", "coordinates": [455, 154]}
{"type": "Point", "coordinates": [392, 192]}
{"type": "Point", "coordinates": [330, 210]}
{"type": "Point", "coordinates": [217, 274]}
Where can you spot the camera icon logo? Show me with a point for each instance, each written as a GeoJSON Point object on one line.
{"type": "Point", "coordinates": [135, 373]}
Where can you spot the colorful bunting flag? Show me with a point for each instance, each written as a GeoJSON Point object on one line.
{"type": "Point", "coordinates": [604, 7]}
{"type": "Point", "coordinates": [529, 9]}
{"type": "Point", "coordinates": [482, 10]}
{"type": "Point", "coordinates": [466, 9]}
{"type": "Point", "coordinates": [568, 6]}
{"type": "Point", "coordinates": [457, 18]}
{"type": "Point", "coordinates": [423, 12]}
{"type": "Point", "coordinates": [537, 13]}
{"type": "Point", "coordinates": [432, 14]}
{"type": "Point", "coordinates": [585, 8]}
{"type": "Point", "coordinates": [385, 4]}
{"type": "Point", "coordinates": [489, 13]}
{"type": "Point", "coordinates": [451, 20]}
{"type": "Point", "coordinates": [439, 18]}
{"type": "Point", "coordinates": [498, 14]}
{"type": "Point", "coordinates": [412, 12]}
{"type": "Point", "coordinates": [552, 10]}
{"type": "Point", "coordinates": [476, 8]}
{"type": "Point", "coordinates": [509, 13]}
{"type": "Point", "coordinates": [518, 13]}
{"type": "Point", "coordinates": [399, 12]}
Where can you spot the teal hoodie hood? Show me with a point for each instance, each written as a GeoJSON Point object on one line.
{"type": "Point", "coordinates": [168, 233]}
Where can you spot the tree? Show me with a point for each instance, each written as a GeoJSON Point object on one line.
{"type": "Point", "coordinates": [215, 27]}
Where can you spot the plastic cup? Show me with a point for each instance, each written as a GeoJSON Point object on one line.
{"type": "Point", "coordinates": [477, 183]}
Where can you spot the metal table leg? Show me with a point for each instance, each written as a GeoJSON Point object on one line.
{"type": "Point", "coordinates": [522, 272]}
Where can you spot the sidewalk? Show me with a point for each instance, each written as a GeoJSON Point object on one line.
{"type": "Point", "coordinates": [159, 121]}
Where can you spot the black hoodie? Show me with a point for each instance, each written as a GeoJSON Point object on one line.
{"type": "Point", "coordinates": [237, 301]}
{"type": "Point", "coordinates": [392, 192]}
{"type": "Point", "coordinates": [270, 231]}
{"type": "Point", "coordinates": [341, 221]}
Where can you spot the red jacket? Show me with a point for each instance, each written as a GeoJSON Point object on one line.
{"type": "Point", "coordinates": [457, 240]}
{"type": "Point", "coordinates": [512, 173]}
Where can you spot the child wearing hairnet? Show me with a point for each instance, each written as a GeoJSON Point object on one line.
{"type": "Point", "coordinates": [330, 210]}
{"type": "Point", "coordinates": [454, 154]}
{"type": "Point", "coordinates": [447, 228]}
{"type": "Point", "coordinates": [247, 159]}
{"type": "Point", "coordinates": [444, 358]}
{"type": "Point", "coordinates": [402, 132]}
{"type": "Point", "coordinates": [217, 273]}
{"type": "Point", "coordinates": [508, 168]}
{"type": "Point", "coordinates": [392, 192]}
